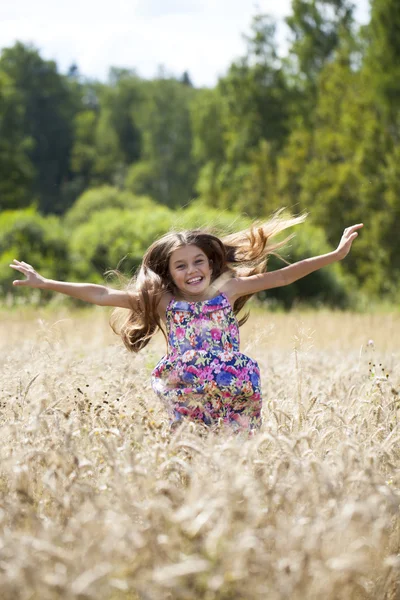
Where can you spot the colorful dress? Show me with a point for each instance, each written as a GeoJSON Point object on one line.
{"type": "Point", "coordinates": [204, 376]}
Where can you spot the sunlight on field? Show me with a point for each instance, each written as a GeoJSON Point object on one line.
{"type": "Point", "coordinates": [98, 499]}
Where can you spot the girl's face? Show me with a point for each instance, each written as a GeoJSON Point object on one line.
{"type": "Point", "coordinates": [190, 271]}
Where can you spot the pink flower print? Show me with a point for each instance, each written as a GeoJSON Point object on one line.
{"type": "Point", "coordinates": [181, 409]}
{"type": "Point", "coordinates": [233, 330]}
{"type": "Point", "coordinates": [226, 356]}
{"type": "Point", "coordinates": [216, 334]}
{"type": "Point", "coordinates": [194, 370]}
{"type": "Point", "coordinates": [180, 333]}
{"type": "Point", "coordinates": [216, 366]}
{"type": "Point", "coordinates": [203, 376]}
{"type": "Point", "coordinates": [173, 377]}
{"type": "Point", "coordinates": [178, 317]}
{"type": "Point", "coordinates": [188, 356]}
{"type": "Point", "coordinates": [232, 370]}
{"type": "Point", "coordinates": [241, 420]}
{"type": "Point", "coordinates": [243, 376]}
{"type": "Point", "coordinates": [218, 317]}
{"type": "Point", "coordinates": [208, 373]}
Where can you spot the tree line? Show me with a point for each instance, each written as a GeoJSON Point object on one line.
{"type": "Point", "coordinates": [315, 131]}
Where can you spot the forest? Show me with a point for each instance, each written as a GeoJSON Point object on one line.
{"type": "Point", "coordinates": [92, 172]}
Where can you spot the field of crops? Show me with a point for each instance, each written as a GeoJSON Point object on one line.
{"type": "Point", "coordinates": [99, 500]}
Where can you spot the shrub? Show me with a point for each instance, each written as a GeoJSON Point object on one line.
{"type": "Point", "coordinates": [28, 236]}
{"type": "Point", "coordinates": [103, 198]}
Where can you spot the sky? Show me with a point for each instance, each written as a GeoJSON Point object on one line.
{"type": "Point", "coordinates": [202, 37]}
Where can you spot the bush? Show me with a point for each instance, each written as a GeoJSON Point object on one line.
{"type": "Point", "coordinates": [40, 241]}
{"type": "Point", "coordinates": [116, 238]}
{"type": "Point", "coordinates": [103, 198]}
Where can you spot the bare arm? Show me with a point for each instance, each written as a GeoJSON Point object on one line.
{"type": "Point", "coordinates": [88, 292]}
{"type": "Point", "coordinates": [241, 286]}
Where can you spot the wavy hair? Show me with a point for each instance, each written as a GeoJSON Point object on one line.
{"type": "Point", "coordinates": [239, 254]}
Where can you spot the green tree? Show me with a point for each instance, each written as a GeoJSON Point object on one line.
{"type": "Point", "coordinates": [125, 95]}
{"type": "Point", "coordinates": [317, 27]}
{"type": "Point", "coordinates": [255, 95]}
{"type": "Point", "coordinates": [382, 59]}
{"type": "Point", "coordinates": [166, 170]}
{"type": "Point", "coordinates": [84, 151]}
{"type": "Point", "coordinates": [16, 170]}
{"type": "Point", "coordinates": [241, 127]}
{"type": "Point", "coordinates": [49, 102]}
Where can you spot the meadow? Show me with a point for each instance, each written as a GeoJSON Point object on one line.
{"type": "Point", "coordinates": [99, 500]}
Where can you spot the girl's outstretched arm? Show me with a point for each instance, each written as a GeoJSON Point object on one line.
{"type": "Point", "coordinates": [88, 292]}
{"type": "Point", "coordinates": [241, 286]}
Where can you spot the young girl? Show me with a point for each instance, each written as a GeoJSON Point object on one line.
{"type": "Point", "coordinates": [191, 285]}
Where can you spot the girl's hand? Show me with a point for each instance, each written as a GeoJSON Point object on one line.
{"type": "Point", "coordinates": [348, 237]}
{"type": "Point", "coordinates": [33, 279]}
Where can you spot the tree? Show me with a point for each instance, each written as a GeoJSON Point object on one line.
{"type": "Point", "coordinates": [382, 60]}
{"type": "Point", "coordinates": [166, 170]}
{"type": "Point", "coordinates": [16, 169]}
{"type": "Point", "coordinates": [318, 28]}
{"type": "Point", "coordinates": [49, 102]}
{"type": "Point", "coordinates": [241, 127]}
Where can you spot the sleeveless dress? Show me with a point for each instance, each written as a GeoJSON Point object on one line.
{"type": "Point", "coordinates": [203, 376]}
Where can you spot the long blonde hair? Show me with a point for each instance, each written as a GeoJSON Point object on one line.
{"type": "Point", "coordinates": [239, 254]}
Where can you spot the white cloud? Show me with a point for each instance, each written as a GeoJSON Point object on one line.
{"type": "Point", "coordinates": [159, 8]}
{"type": "Point", "coordinates": [200, 36]}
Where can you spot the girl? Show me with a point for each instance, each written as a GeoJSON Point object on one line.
{"type": "Point", "coordinates": [191, 285]}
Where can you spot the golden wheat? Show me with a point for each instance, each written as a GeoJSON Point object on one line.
{"type": "Point", "coordinates": [99, 500]}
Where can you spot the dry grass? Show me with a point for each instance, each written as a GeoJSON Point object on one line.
{"type": "Point", "coordinates": [98, 500]}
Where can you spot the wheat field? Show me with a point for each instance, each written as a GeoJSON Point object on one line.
{"type": "Point", "coordinates": [99, 500]}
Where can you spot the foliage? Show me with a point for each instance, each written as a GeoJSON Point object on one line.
{"type": "Point", "coordinates": [99, 199]}
{"type": "Point", "coordinates": [49, 103]}
{"type": "Point", "coordinates": [30, 237]}
{"type": "Point", "coordinates": [115, 238]}
{"type": "Point", "coordinates": [166, 169]}
{"type": "Point", "coordinates": [316, 131]}
{"type": "Point", "coordinates": [16, 169]}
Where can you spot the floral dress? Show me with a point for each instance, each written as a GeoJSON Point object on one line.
{"type": "Point", "coordinates": [204, 376]}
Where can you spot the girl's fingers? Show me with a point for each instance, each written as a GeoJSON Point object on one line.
{"type": "Point", "coordinates": [18, 268]}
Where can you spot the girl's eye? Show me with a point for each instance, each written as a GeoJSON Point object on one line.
{"type": "Point", "coordinates": [180, 266]}
{"type": "Point", "coordinates": [198, 261]}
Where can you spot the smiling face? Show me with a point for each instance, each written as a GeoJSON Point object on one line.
{"type": "Point", "coordinates": [191, 272]}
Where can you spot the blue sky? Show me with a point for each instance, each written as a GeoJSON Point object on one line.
{"type": "Point", "coordinates": [200, 36]}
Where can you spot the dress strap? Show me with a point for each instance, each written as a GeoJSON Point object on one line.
{"type": "Point", "coordinates": [170, 303]}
